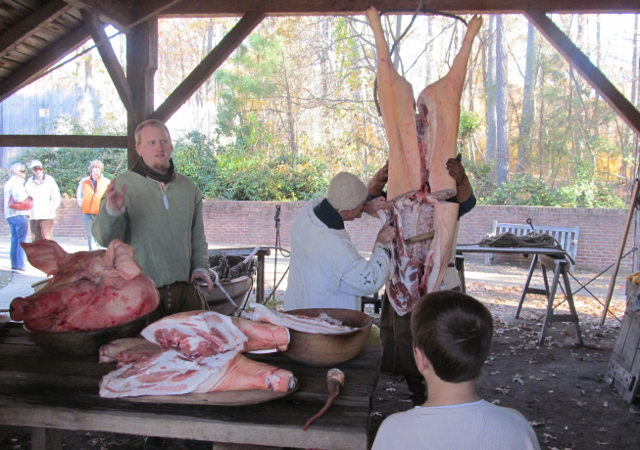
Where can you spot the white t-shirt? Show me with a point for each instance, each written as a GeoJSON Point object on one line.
{"type": "Point", "coordinates": [470, 426]}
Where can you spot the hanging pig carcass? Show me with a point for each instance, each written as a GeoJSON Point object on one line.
{"type": "Point", "coordinates": [419, 184]}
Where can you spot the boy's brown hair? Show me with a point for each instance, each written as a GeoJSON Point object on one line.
{"type": "Point", "coordinates": [454, 331]}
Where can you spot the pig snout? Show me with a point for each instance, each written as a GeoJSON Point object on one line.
{"type": "Point", "coordinates": [19, 309]}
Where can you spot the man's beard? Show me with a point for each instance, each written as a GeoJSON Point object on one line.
{"type": "Point", "coordinates": [160, 166]}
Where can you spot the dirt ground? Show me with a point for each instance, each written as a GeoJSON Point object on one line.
{"type": "Point", "coordinates": [559, 386]}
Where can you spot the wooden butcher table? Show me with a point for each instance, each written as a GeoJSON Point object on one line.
{"type": "Point", "coordinates": [52, 393]}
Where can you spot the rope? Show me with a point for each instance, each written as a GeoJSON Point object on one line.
{"type": "Point", "coordinates": [284, 252]}
{"type": "Point", "coordinates": [216, 281]}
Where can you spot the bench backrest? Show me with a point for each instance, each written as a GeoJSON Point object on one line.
{"type": "Point", "coordinates": [567, 237]}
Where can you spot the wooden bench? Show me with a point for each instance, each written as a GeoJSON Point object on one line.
{"type": "Point", "coordinates": [567, 237]}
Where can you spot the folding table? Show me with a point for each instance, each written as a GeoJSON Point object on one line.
{"type": "Point", "coordinates": [556, 260]}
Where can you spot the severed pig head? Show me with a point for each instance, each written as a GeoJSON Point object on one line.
{"type": "Point", "coordinates": [87, 291]}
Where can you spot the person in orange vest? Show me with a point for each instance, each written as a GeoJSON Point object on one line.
{"type": "Point", "coordinates": [90, 191]}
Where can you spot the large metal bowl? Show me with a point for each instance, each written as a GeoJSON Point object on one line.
{"type": "Point", "coordinates": [237, 290]}
{"type": "Point", "coordinates": [84, 343]}
{"type": "Point", "coordinates": [324, 350]}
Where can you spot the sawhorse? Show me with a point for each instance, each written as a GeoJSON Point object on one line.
{"type": "Point", "coordinates": [559, 268]}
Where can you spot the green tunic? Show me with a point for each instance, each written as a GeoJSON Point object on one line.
{"type": "Point", "coordinates": [168, 237]}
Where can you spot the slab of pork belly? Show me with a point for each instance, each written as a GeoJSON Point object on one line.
{"type": "Point", "coordinates": [199, 334]}
{"type": "Point", "coordinates": [170, 373]}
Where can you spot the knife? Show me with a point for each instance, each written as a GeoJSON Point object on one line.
{"type": "Point", "coordinates": [420, 237]}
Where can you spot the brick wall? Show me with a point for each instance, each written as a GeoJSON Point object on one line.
{"type": "Point", "coordinates": [252, 223]}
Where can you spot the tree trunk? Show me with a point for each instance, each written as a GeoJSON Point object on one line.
{"type": "Point", "coordinates": [528, 102]}
{"type": "Point", "coordinates": [427, 71]}
{"type": "Point", "coordinates": [541, 121]}
{"type": "Point", "coordinates": [490, 94]}
{"type": "Point", "coordinates": [502, 116]}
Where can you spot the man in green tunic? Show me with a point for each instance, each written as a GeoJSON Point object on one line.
{"type": "Point", "coordinates": [158, 212]}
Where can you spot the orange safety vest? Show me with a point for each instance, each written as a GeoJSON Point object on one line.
{"type": "Point", "coordinates": [91, 199]}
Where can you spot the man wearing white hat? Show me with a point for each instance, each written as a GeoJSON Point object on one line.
{"type": "Point", "coordinates": [46, 199]}
{"type": "Point", "coordinates": [326, 270]}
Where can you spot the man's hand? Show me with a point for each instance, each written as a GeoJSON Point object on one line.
{"type": "Point", "coordinates": [457, 172]}
{"type": "Point", "coordinates": [386, 234]}
{"type": "Point", "coordinates": [375, 205]}
{"type": "Point", "coordinates": [200, 275]}
{"type": "Point", "coordinates": [379, 180]}
{"type": "Point", "coordinates": [115, 199]}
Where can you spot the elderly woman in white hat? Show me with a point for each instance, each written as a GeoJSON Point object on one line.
{"type": "Point", "coordinates": [327, 271]}
{"type": "Point", "coordinates": [18, 219]}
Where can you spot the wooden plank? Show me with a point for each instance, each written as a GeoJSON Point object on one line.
{"type": "Point", "coordinates": [35, 68]}
{"type": "Point", "coordinates": [24, 50]}
{"type": "Point", "coordinates": [586, 68]}
{"type": "Point", "coordinates": [30, 24]}
{"type": "Point", "coordinates": [17, 8]}
{"type": "Point", "coordinates": [208, 66]}
{"type": "Point", "coordinates": [70, 20]}
{"type": "Point", "coordinates": [9, 63]}
{"type": "Point", "coordinates": [109, 58]}
{"type": "Point", "coordinates": [327, 432]}
{"type": "Point", "coordinates": [31, 4]}
{"type": "Point", "coordinates": [50, 140]}
{"type": "Point", "coordinates": [199, 8]}
{"type": "Point", "coordinates": [36, 42]}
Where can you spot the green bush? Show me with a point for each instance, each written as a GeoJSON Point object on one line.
{"type": "Point", "coordinates": [194, 156]}
{"type": "Point", "coordinates": [524, 189]}
{"type": "Point", "coordinates": [284, 178]}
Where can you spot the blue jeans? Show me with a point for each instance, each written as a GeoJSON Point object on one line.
{"type": "Point", "coordinates": [19, 226]}
{"type": "Point", "coordinates": [88, 223]}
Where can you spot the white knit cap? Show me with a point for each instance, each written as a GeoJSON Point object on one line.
{"type": "Point", "coordinates": [35, 163]}
{"type": "Point", "coordinates": [346, 191]}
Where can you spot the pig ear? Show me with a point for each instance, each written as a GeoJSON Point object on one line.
{"type": "Point", "coordinates": [120, 256]}
{"type": "Point", "coordinates": [45, 255]}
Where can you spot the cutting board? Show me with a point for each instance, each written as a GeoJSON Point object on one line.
{"type": "Point", "coordinates": [227, 398]}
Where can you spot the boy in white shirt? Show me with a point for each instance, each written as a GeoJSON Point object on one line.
{"type": "Point", "coordinates": [452, 338]}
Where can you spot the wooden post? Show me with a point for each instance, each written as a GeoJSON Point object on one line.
{"type": "Point", "coordinates": [142, 63]}
{"type": "Point", "coordinates": [612, 284]}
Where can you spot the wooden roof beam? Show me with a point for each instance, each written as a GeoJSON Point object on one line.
{"type": "Point", "coordinates": [34, 69]}
{"type": "Point", "coordinates": [200, 8]}
{"type": "Point", "coordinates": [59, 140]}
{"type": "Point", "coordinates": [586, 68]}
{"type": "Point", "coordinates": [30, 24]}
{"type": "Point", "coordinates": [109, 58]}
{"type": "Point", "coordinates": [207, 66]}
{"type": "Point", "coordinates": [125, 17]}
{"type": "Point", "coordinates": [113, 12]}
